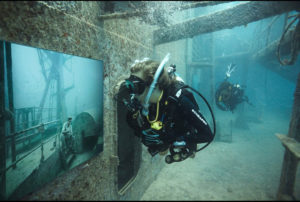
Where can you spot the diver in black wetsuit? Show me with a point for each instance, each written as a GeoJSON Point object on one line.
{"type": "Point", "coordinates": [174, 120]}
{"type": "Point", "coordinates": [229, 95]}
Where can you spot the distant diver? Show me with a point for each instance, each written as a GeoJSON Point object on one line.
{"type": "Point", "coordinates": [229, 95]}
{"type": "Point", "coordinates": [163, 113]}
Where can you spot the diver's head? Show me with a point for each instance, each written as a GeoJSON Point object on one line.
{"type": "Point", "coordinates": [142, 75]}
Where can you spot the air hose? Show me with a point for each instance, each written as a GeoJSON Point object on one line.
{"type": "Point", "coordinates": [184, 154]}
{"type": "Point", "coordinates": [212, 114]}
{"type": "Point", "coordinates": [294, 43]}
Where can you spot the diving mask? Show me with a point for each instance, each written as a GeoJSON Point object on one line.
{"type": "Point", "coordinates": [135, 85]}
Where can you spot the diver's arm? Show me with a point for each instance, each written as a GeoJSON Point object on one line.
{"type": "Point", "coordinates": [192, 114]}
{"type": "Point", "coordinates": [246, 99]}
{"type": "Point", "coordinates": [149, 136]}
{"type": "Point", "coordinates": [131, 119]}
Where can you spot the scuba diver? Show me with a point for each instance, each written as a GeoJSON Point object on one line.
{"type": "Point", "coordinates": [163, 113]}
{"type": "Point", "coordinates": [229, 95]}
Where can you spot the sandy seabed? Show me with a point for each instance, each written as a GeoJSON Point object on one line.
{"type": "Point", "coordinates": [248, 168]}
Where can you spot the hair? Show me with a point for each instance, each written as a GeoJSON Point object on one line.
{"type": "Point", "coordinates": [148, 69]}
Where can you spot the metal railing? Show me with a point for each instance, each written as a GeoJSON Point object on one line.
{"type": "Point", "coordinates": [41, 130]}
{"type": "Point", "coordinates": [21, 113]}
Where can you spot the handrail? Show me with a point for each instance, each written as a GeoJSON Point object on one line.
{"type": "Point", "coordinates": [33, 111]}
{"type": "Point", "coordinates": [28, 129]}
{"type": "Point", "coordinates": [35, 108]}
{"type": "Point", "coordinates": [30, 122]}
{"type": "Point", "coordinates": [14, 163]}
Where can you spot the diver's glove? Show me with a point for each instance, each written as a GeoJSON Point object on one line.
{"type": "Point", "coordinates": [151, 137]}
{"type": "Point", "coordinates": [133, 105]}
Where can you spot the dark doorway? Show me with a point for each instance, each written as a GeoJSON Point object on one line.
{"type": "Point", "coordinates": [129, 150]}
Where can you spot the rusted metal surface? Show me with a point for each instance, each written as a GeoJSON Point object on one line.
{"type": "Point", "coordinates": [201, 4]}
{"type": "Point", "coordinates": [241, 14]}
{"type": "Point", "coordinates": [141, 11]}
{"type": "Point", "coordinates": [291, 142]}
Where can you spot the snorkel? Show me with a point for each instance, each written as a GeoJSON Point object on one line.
{"type": "Point", "coordinates": [153, 84]}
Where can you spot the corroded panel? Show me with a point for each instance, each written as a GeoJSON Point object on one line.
{"type": "Point", "coordinates": [73, 27]}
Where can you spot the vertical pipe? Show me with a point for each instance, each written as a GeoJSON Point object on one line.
{"type": "Point", "coordinates": [241, 119]}
{"type": "Point", "coordinates": [212, 71]}
{"type": "Point", "coordinates": [42, 144]}
{"type": "Point", "coordinates": [18, 120]}
{"type": "Point", "coordinates": [230, 139]}
{"type": "Point", "coordinates": [33, 116]}
{"type": "Point", "coordinates": [290, 163]}
{"type": "Point", "coordinates": [294, 128]}
{"type": "Point", "coordinates": [61, 104]}
{"type": "Point", "coordinates": [40, 110]}
{"type": "Point", "coordinates": [10, 98]}
{"type": "Point", "coordinates": [2, 125]}
{"type": "Point", "coordinates": [187, 54]}
{"type": "Point", "coordinates": [266, 93]}
{"type": "Point", "coordinates": [185, 57]}
{"type": "Point", "coordinates": [22, 119]}
{"type": "Point", "coordinates": [27, 117]}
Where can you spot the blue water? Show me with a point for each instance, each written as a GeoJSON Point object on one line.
{"type": "Point", "coordinates": [249, 166]}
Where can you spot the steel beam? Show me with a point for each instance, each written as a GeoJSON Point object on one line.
{"type": "Point", "coordinates": [241, 14]}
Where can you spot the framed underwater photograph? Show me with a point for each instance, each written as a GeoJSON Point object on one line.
{"type": "Point", "coordinates": [52, 118]}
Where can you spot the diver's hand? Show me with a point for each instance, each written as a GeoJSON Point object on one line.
{"type": "Point", "coordinates": [133, 105]}
{"type": "Point", "coordinates": [151, 137]}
